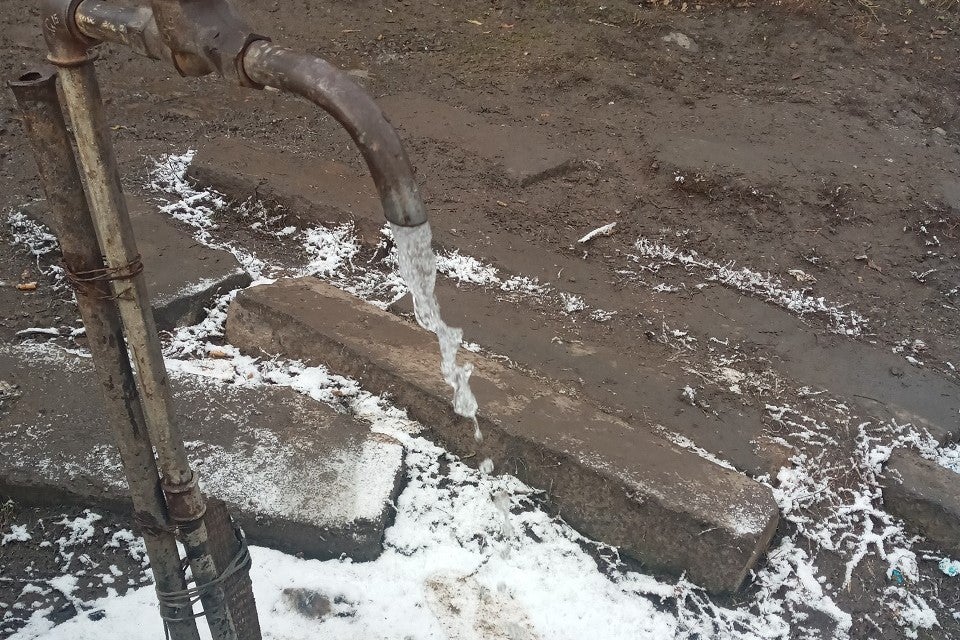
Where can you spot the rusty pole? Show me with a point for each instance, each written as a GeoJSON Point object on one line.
{"type": "Point", "coordinates": [72, 54]}
{"type": "Point", "coordinates": [36, 94]}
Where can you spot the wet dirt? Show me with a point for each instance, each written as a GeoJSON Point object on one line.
{"type": "Point", "coordinates": [99, 550]}
{"type": "Point", "coordinates": [822, 139]}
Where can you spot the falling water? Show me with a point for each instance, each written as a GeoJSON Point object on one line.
{"type": "Point", "coordinates": [418, 267]}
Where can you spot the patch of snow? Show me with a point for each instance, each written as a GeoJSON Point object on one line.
{"type": "Point", "coordinates": [531, 287]}
{"type": "Point", "coordinates": [665, 288]}
{"type": "Point", "coordinates": [466, 269]}
{"type": "Point", "coordinates": [767, 287]}
{"type": "Point", "coordinates": [949, 457]}
{"type": "Point", "coordinates": [687, 443]}
{"type": "Point", "coordinates": [911, 350]}
{"type": "Point", "coordinates": [602, 315]}
{"type": "Point", "coordinates": [330, 250]}
{"type": "Point", "coordinates": [39, 241]}
{"type": "Point", "coordinates": [18, 533]}
{"type": "Point", "coordinates": [32, 235]}
{"type": "Point", "coordinates": [572, 303]}
{"type": "Point", "coordinates": [789, 584]}
{"type": "Point", "coordinates": [196, 207]}
{"type": "Point", "coordinates": [79, 530]}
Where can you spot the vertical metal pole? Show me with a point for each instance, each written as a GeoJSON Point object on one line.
{"type": "Point", "coordinates": [185, 503]}
{"type": "Point", "coordinates": [36, 95]}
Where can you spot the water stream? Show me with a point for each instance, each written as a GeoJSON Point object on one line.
{"type": "Point", "coordinates": [418, 267]}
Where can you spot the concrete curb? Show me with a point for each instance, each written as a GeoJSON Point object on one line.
{"type": "Point", "coordinates": [665, 506]}
{"type": "Point", "coordinates": [926, 495]}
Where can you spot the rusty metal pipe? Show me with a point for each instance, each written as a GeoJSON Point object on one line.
{"type": "Point", "coordinates": [265, 64]}
{"type": "Point", "coordinates": [36, 94]}
{"type": "Point", "coordinates": [332, 90]}
{"type": "Point", "coordinates": [134, 27]}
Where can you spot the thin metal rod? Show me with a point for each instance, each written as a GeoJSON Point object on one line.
{"type": "Point", "coordinates": [112, 222]}
{"type": "Point", "coordinates": [36, 94]}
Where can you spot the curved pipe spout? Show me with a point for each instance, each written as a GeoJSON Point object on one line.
{"type": "Point", "coordinates": [258, 63]}
{"type": "Point", "coordinates": [332, 90]}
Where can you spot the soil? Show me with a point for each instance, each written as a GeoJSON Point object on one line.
{"type": "Point", "coordinates": [821, 137]}
{"type": "Point", "coordinates": [100, 558]}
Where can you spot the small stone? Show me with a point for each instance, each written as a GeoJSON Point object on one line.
{"type": "Point", "coordinates": [682, 40]}
{"type": "Point", "coordinates": [308, 602]}
{"type": "Point", "coordinates": [940, 131]}
{"type": "Point", "coordinates": [896, 372]}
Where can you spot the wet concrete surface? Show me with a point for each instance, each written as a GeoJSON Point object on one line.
{"type": "Point", "coordinates": [927, 496]}
{"type": "Point", "coordinates": [183, 276]}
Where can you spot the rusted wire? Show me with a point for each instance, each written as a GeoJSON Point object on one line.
{"type": "Point", "coordinates": [85, 282]}
{"type": "Point", "coordinates": [147, 524]}
{"type": "Point", "coordinates": [187, 598]}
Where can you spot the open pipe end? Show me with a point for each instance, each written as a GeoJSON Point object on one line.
{"type": "Point", "coordinates": [36, 86]}
{"type": "Point", "coordinates": [404, 209]}
{"type": "Point", "coordinates": [35, 77]}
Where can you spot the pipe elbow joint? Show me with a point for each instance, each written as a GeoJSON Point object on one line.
{"type": "Point", "coordinates": [333, 91]}
{"type": "Point", "coordinates": [67, 44]}
{"type": "Point", "coordinates": [206, 37]}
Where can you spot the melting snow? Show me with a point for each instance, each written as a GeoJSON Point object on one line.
{"type": "Point", "coordinates": [743, 279]}
{"type": "Point", "coordinates": [449, 561]}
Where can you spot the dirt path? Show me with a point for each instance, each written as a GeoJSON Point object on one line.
{"type": "Point", "coordinates": [818, 148]}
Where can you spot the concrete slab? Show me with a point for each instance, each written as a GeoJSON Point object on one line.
{"type": "Point", "coordinates": [662, 505]}
{"type": "Point", "coordinates": [926, 495]}
{"type": "Point", "coordinates": [523, 156]}
{"type": "Point", "coordinates": [183, 276]}
{"type": "Point", "coordinates": [298, 476]}
{"type": "Point", "coordinates": [626, 383]}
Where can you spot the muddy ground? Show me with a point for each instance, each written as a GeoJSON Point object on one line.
{"type": "Point", "coordinates": [822, 140]}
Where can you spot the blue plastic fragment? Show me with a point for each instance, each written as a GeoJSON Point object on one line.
{"type": "Point", "coordinates": [950, 567]}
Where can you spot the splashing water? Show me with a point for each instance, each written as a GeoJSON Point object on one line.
{"type": "Point", "coordinates": [418, 266]}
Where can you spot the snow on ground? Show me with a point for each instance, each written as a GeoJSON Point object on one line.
{"type": "Point", "coordinates": [743, 279]}
{"type": "Point", "coordinates": [827, 514]}
{"type": "Point", "coordinates": [39, 241]}
{"type": "Point", "coordinates": [453, 568]}
{"type": "Point", "coordinates": [447, 571]}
